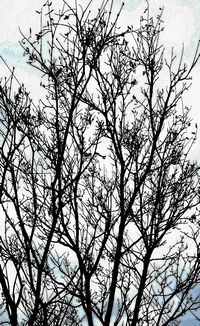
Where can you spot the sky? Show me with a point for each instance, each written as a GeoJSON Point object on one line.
{"type": "Point", "coordinates": [181, 21]}
{"type": "Point", "coordinates": [182, 25]}
{"type": "Point", "coordinates": [181, 17]}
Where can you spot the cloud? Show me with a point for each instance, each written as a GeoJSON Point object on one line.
{"type": "Point", "coordinates": [15, 14]}
{"type": "Point", "coordinates": [181, 22]}
{"type": "Point", "coordinates": [181, 19]}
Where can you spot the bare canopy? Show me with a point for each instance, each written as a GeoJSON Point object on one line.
{"type": "Point", "coordinates": [99, 201]}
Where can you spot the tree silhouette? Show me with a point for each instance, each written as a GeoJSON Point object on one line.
{"type": "Point", "coordinates": [99, 200]}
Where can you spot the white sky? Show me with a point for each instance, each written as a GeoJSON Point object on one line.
{"type": "Point", "coordinates": [181, 17]}
{"type": "Point", "coordinates": [182, 25]}
{"type": "Point", "coordinates": [181, 22]}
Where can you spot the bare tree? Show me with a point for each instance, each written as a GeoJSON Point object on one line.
{"type": "Point", "coordinates": [99, 200]}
